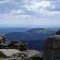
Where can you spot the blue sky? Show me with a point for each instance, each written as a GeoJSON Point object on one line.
{"type": "Point", "coordinates": [29, 13]}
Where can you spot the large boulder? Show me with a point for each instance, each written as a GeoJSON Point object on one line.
{"type": "Point", "coordinates": [53, 42]}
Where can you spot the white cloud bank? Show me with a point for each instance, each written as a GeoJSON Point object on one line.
{"type": "Point", "coordinates": [26, 14]}
{"type": "Point", "coordinates": [42, 8]}
{"type": "Point", "coordinates": [38, 6]}
{"type": "Point", "coordinates": [24, 21]}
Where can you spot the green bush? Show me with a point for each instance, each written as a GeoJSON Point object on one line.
{"type": "Point", "coordinates": [1, 58]}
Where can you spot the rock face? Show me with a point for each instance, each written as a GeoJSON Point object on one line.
{"type": "Point", "coordinates": [16, 50]}
{"type": "Point", "coordinates": [14, 54]}
{"type": "Point", "coordinates": [9, 52]}
{"type": "Point", "coordinates": [52, 48]}
{"type": "Point", "coordinates": [2, 39]}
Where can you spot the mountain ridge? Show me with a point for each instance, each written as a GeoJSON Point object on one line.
{"type": "Point", "coordinates": [35, 40]}
{"type": "Point", "coordinates": [32, 34]}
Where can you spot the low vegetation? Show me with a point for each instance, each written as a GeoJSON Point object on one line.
{"type": "Point", "coordinates": [1, 58]}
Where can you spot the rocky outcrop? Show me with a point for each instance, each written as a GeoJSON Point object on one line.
{"type": "Point", "coordinates": [52, 48]}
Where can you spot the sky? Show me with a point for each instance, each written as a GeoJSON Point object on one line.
{"type": "Point", "coordinates": [29, 13]}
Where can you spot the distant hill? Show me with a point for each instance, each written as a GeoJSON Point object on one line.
{"type": "Point", "coordinates": [36, 30]}
{"type": "Point", "coordinates": [9, 30]}
{"type": "Point", "coordinates": [32, 34]}
{"type": "Point", "coordinates": [41, 30]}
{"type": "Point", "coordinates": [34, 37]}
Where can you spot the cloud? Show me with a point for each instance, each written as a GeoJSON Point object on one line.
{"type": "Point", "coordinates": [31, 13]}
{"type": "Point", "coordinates": [3, 1]}
{"type": "Point", "coordinates": [30, 7]}
{"type": "Point", "coordinates": [42, 8]}
{"type": "Point", "coordinates": [18, 11]}
{"type": "Point", "coordinates": [47, 13]}
{"type": "Point", "coordinates": [38, 6]}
